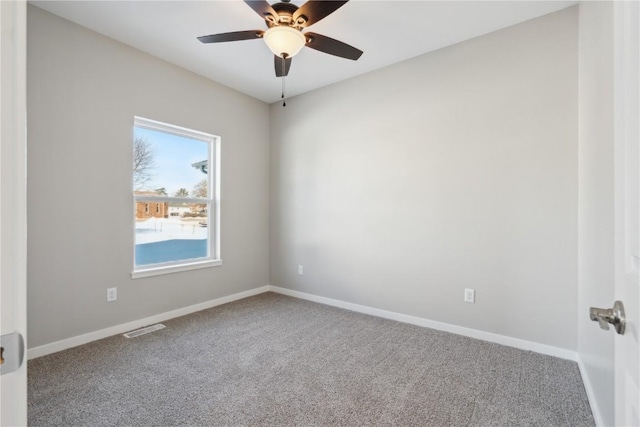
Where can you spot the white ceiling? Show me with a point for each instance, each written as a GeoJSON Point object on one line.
{"type": "Point", "coordinates": [387, 32]}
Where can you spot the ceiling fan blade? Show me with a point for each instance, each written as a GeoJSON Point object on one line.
{"type": "Point", "coordinates": [278, 65]}
{"type": "Point", "coordinates": [232, 37]}
{"type": "Point", "coordinates": [331, 46]}
{"type": "Point", "coordinates": [262, 8]}
{"type": "Point", "coordinates": [315, 10]}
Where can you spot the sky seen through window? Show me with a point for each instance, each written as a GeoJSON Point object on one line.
{"type": "Point", "coordinates": [173, 157]}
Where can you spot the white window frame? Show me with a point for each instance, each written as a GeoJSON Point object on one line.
{"type": "Point", "coordinates": [213, 202]}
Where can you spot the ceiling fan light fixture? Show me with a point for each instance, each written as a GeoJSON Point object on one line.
{"type": "Point", "coordinates": [284, 41]}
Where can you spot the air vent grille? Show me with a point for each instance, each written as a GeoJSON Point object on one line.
{"type": "Point", "coordinates": [144, 330]}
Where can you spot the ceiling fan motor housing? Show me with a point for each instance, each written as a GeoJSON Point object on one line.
{"type": "Point", "coordinates": [285, 13]}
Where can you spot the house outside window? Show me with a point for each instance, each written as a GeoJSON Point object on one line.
{"type": "Point", "coordinates": [176, 198]}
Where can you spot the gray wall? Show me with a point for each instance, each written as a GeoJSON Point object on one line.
{"type": "Point", "coordinates": [596, 208]}
{"type": "Point", "coordinates": [456, 169]}
{"type": "Point", "coordinates": [83, 91]}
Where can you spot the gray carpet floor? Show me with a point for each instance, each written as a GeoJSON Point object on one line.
{"type": "Point", "coordinates": [273, 360]}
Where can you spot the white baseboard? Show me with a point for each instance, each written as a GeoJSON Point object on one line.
{"type": "Point", "coordinates": [595, 409]}
{"type": "Point", "coordinates": [419, 321]}
{"type": "Point", "coordinates": [136, 324]}
{"type": "Point", "coordinates": [562, 353]}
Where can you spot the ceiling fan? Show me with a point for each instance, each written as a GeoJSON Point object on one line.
{"type": "Point", "coordinates": [285, 22]}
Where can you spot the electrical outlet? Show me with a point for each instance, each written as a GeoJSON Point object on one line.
{"type": "Point", "coordinates": [470, 295]}
{"type": "Point", "coordinates": [300, 270]}
{"type": "Point", "coordinates": [112, 294]}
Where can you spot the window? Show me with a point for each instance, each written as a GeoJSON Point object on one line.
{"type": "Point", "coordinates": [176, 197]}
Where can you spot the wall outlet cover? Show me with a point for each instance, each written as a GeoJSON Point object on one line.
{"type": "Point", "coordinates": [470, 295]}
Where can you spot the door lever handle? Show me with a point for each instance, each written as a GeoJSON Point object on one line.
{"type": "Point", "coordinates": [609, 316]}
{"type": "Point", "coordinates": [11, 352]}
{"type": "Point", "coordinates": [601, 315]}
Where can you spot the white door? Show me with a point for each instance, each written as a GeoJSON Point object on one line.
{"type": "Point", "coordinates": [627, 209]}
{"type": "Point", "coordinates": [13, 214]}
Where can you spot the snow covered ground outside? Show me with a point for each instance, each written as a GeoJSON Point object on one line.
{"type": "Point", "coordinates": [162, 229]}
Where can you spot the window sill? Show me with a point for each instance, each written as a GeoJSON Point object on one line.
{"type": "Point", "coordinates": [156, 271]}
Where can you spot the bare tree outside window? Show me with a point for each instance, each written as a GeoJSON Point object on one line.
{"type": "Point", "coordinates": [143, 162]}
{"type": "Point", "coordinates": [183, 192]}
{"type": "Point", "coordinates": [200, 189]}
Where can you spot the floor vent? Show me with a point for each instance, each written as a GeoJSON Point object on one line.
{"type": "Point", "coordinates": [143, 331]}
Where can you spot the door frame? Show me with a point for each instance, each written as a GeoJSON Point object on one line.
{"type": "Point", "coordinates": [627, 209]}
{"type": "Point", "coordinates": [13, 204]}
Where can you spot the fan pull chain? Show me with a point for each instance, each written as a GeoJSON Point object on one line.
{"type": "Point", "coordinates": [284, 60]}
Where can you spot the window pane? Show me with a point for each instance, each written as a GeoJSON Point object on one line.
{"type": "Point", "coordinates": [169, 165]}
{"type": "Point", "coordinates": [170, 238]}
{"type": "Point", "coordinates": [172, 188]}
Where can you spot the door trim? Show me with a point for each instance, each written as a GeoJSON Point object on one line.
{"type": "Point", "coordinates": [13, 206]}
